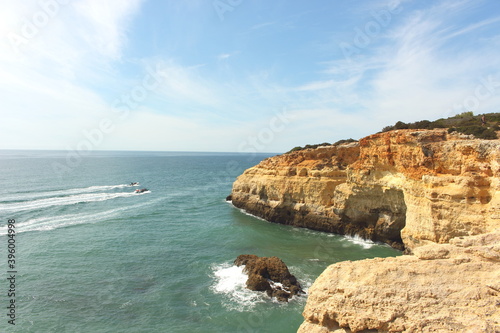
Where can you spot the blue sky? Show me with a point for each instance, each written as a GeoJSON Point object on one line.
{"type": "Point", "coordinates": [238, 75]}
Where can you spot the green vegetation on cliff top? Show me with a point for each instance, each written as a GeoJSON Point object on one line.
{"type": "Point", "coordinates": [465, 123]}
{"type": "Point", "coordinates": [320, 144]}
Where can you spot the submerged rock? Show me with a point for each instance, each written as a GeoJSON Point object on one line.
{"type": "Point", "coordinates": [269, 274]}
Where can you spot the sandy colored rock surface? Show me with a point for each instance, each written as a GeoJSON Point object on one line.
{"type": "Point", "coordinates": [441, 288]}
{"type": "Point", "coordinates": [435, 194]}
{"type": "Point", "coordinates": [407, 188]}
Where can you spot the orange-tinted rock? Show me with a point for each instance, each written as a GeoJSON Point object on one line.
{"type": "Point", "coordinates": [406, 187]}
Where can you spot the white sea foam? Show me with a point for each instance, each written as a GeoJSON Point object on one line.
{"type": "Point", "coordinates": [50, 223]}
{"type": "Point", "coordinates": [277, 285]}
{"type": "Point", "coordinates": [126, 305]}
{"type": "Point", "coordinates": [247, 213]}
{"type": "Point", "coordinates": [64, 200]}
{"type": "Point", "coordinates": [254, 216]}
{"type": "Point", "coordinates": [57, 193]}
{"type": "Point", "coordinates": [365, 243]}
{"type": "Point", "coordinates": [231, 281]}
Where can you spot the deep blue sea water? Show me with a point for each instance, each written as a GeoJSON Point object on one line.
{"type": "Point", "coordinates": [93, 256]}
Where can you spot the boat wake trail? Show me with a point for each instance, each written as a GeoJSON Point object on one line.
{"type": "Point", "coordinates": [41, 200]}
{"type": "Point", "coordinates": [57, 193]}
{"type": "Point", "coordinates": [51, 222]}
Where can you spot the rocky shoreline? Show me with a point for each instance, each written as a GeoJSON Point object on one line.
{"type": "Point", "coordinates": [434, 194]}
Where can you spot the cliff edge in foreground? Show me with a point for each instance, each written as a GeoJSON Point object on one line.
{"type": "Point", "coordinates": [451, 287]}
{"type": "Point", "coordinates": [407, 188]}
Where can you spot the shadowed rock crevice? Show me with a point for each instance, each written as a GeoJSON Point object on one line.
{"type": "Point", "coordinates": [375, 213]}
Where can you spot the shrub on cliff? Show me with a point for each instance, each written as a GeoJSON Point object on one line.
{"type": "Point", "coordinates": [465, 123]}
{"type": "Point", "coordinates": [464, 115]}
{"type": "Point", "coordinates": [480, 132]}
{"type": "Point", "coordinates": [422, 124]}
{"type": "Point", "coordinates": [294, 149]}
{"type": "Point", "coordinates": [344, 141]}
{"type": "Point", "coordinates": [298, 148]}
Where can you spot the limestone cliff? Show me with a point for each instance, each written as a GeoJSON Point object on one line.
{"type": "Point", "coordinates": [433, 193]}
{"type": "Point", "coordinates": [451, 287]}
{"type": "Point", "coordinates": [407, 188]}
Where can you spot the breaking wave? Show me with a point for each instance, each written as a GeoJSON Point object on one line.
{"type": "Point", "coordinates": [364, 243]}
{"type": "Point", "coordinates": [231, 282]}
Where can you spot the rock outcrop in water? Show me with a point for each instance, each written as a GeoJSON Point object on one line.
{"type": "Point", "coordinates": [270, 275]}
{"type": "Point", "coordinates": [406, 188]}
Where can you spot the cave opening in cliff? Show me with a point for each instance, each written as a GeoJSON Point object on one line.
{"type": "Point", "coordinates": [378, 214]}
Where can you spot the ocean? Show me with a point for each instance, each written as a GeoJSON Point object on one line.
{"type": "Point", "coordinates": [91, 255]}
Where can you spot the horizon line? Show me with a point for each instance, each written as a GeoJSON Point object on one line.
{"type": "Point", "coordinates": [135, 151]}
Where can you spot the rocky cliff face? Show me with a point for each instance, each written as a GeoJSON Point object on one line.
{"type": "Point", "coordinates": [435, 194]}
{"type": "Point", "coordinates": [407, 188]}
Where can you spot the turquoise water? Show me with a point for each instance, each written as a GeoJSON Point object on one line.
{"type": "Point", "coordinates": [93, 256]}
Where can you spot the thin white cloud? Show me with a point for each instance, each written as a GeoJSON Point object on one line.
{"type": "Point", "coordinates": [473, 27]}
{"type": "Point", "coordinates": [106, 23]}
{"type": "Point", "coordinates": [224, 56]}
{"type": "Point", "coordinates": [317, 85]}
{"type": "Point", "coordinates": [422, 78]}
{"type": "Point", "coordinates": [262, 25]}
{"type": "Point", "coordinates": [185, 83]}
